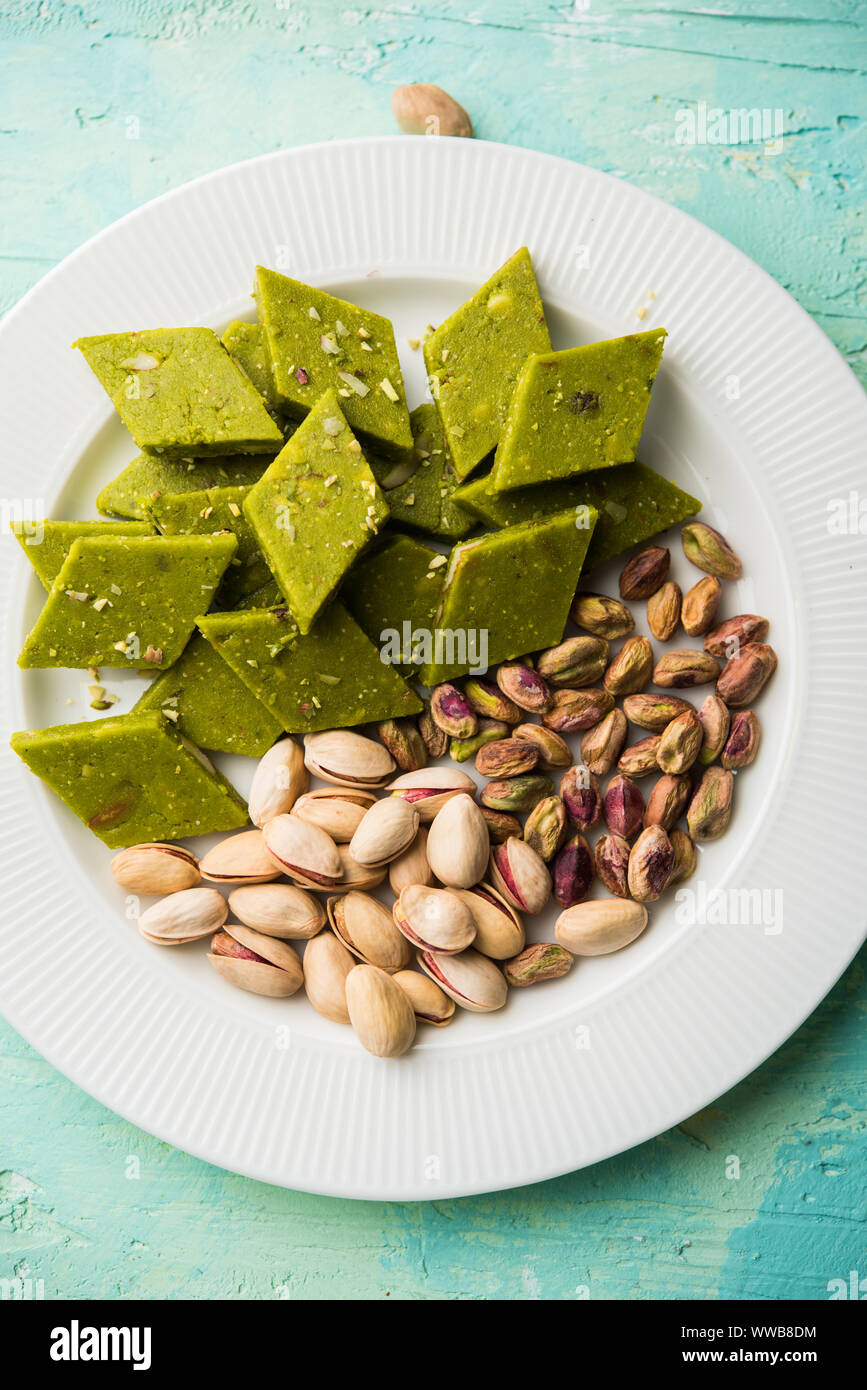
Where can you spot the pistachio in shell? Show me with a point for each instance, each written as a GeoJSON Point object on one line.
{"type": "Point", "coordinates": [278, 909]}
{"type": "Point", "coordinates": [304, 852]}
{"type": "Point", "coordinates": [155, 869]}
{"type": "Point", "coordinates": [242, 858]}
{"type": "Point", "coordinates": [471, 979]}
{"type": "Point", "coordinates": [499, 929]}
{"type": "Point", "coordinates": [367, 930]}
{"type": "Point", "coordinates": [337, 810]}
{"type": "Point", "coordinates": [388, 828]}
{"type": "Point", "coordinates": [280, 778]}
{"type": "Point", "coordinates": [430, 1003]}
{"type": "Point", "coordinates": [379, 1011]}
{"type": "Point", "coordinates": [430, 788]}
{"type": "Point", "coordinates": [434, 919]}
{"type": "Point", "coordinates": [458, 843]}
{"type": "Point", "coordinates": [326, 966]}
{"type": "Point", "coordinates": [413, 866]}
{"type": "Point", "coordinates": [257, 963]}
{"type": "Point", "coordinates": [520, 875]}
{"type": "Point", "coordinates": [347, 759]}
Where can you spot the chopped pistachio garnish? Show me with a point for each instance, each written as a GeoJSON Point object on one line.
{"type": "Point", "coordinates": [414, 343]}
{"type": "Point", "coordinates": [363, 333]}
{"type": "Point", "coordinates": [234, 509]}
{"type": "Point", "coordinates": [388, 390]}
{"type": "Point", "coordinates": [99, 604]}
{"type": "Point", "coordinates": [328, 344]}
{"type": "Point", "coordinates": [314, 313]}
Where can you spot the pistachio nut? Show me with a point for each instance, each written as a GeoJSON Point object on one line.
{"type": "Point", "coordinates": [279, 780]}
{"type": "Point", "coordinates": [572, 711]}
{"type": "Point", "coordinates": [520, 874]}
{"type": "Point", "coordinates": [257, 963]}
{"type": "Point", "coordinates": [489, 731]}
{"type": "Point", "coordinates": [645, 572]}
{"type": "Point", "coordinates": [639, 758]}
{"type": "Point", "coordinates": [601, 615]}
{"type": "Point", "coordinates": [580, 793]}
{"type": "Point", "coordinates": [730, 637]}
{"type": "Point", "coordinates": [501, 826]}
{"type": "Point", "coordinates": [303, 851]}
{"type": "Point", "coordinates": [347, 759]}
{"type": "Point", "coordinates": [430, 1004]}
{"type": "Point", "coordinates": [680, 742]}
{"type": "Point", "coordinates": [430, 788]}
{"type": "Point", "coordinates": [240, 858]}
{"type": "Point", "coordinates": [404, 742]}
{"type": "Point", "coordinates": [709, 551]}
{"type": "Point", "coordinates": [573, 871]}
{"type": "Point", "coordinates": [654, 712]}
{"type": "Point", "coordinates": [517, 793]}
{"type": "Point", "coordinates": [710, 809]}
{"type": "Point", "coordinates": [745, 676]}
{"type": "Point", "coordinates": [326, 966]}
{"type": "Point", "coordinates": [685, 857]}
{"type": "Point", "coordinates": [521, 684]}
{"type": "Point", "coordinates": [337, 810]}
{"type": "Point", "coordinates": [601, 926]}
{"type": "Point", "coordinates": [631, 667]}
{"type": "Point", "coordinates": [700, 606]}
{"type": "Point", "coordinates": [452, 712]}
{"type": "Point", "coordinates": [507, 757]}
{"type": "Point", "coordinates": [545, 960]}
{"type": "Point", "coordinates": [434, 919]}
{"type": "Point", "coordinates": [602, 745]}
{"type": "Point", "coordinates": [379, 1011]}
{"type": "Point", "coordinates": [278, 909]}
{"type": "Point", "coordinates": [667, 800]}
{"type": "Point", "coordinates": [685, 667]}
{"type": "Point", "coordinates": [412, 866]}
{"type": "Point", "coordinates": [546, 827]}
{"type": "Point", "coordinates": [651, 862]}
{"type": "Point", "coordinates": [366, 928]}
{"type": "Point", "coordinates": [664, 610]}
{"type": "Point", "coordinates": [574, 662]}
{"type": "Point", "coordinates": [489, 702]}
{"type": "Point", "coordinates": [458, 843]}
{"type": "Point", "coordinates": [499, 929]}
{"type": "Point", "coordinates": [155, 869]}
{"type": "Point", "coordinates": [554, 751]}
{"type": "Point", "coordinates": [612, 863]}
{"type": "Point", "coordinates": [187, 915]}
{"type": "Point", "coordinates": [470, 978]}
{"type": "Point", "coordinates": [388, 828]}
{"type": "Point", "coordinates": [355, 875]}
{"type": "Point", "coordinates": [435, 741]}
{"type": "Point", "coordinates": [742, 744]}
{"type": "Point", "coordinates": [715, 721]}
{"type": "Point", "coordinates": [623, 806]}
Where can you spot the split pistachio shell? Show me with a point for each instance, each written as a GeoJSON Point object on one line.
{"type": "Point", "coordinates": [430, 788]}
{"type": "Point", "coordinates": [185, 916]}
{"type": "Point", "coordinates": [598, 927]}
{"type": "Point", "coordinates": [520, 874]}
{"type": "Point", "coordinates": [155, 869]}
{"type": "Point", "coordinates": [326, 966]}
{"type": "Point", "coordinates": [499, 929]}
{"type": "Point", "coordinates": [366, 928]}
{"type": "Point", "coordinates": [358, 875]}
{"type": "Point", "coordinates": [303, 851]}
{"type": "Point", "coordinates": [379, 1011]}
{"type": "Point", "coordinates": [458, 843]}
{"type": "Point", "coordinates": [412, 866]}
{"type": "Point", "coordinates": [257, 963]}
{"type": "Point", "coordinates": [338, 812]}
{"type": "Point", "coordinates": [241, 858]}
{"type": "Point", "coordinates": [388, 829]}
{"type": "Point", "coordinates": [278, 781]}
{"type": "Point", "coordinates": [471, 979]}
{"type": "Point", "coordinates": [278, 909]}
{"type": "Point", "coordinates": [347, 759]}
{"type": "Point", "coordinates": [434, 919]}
{"type": "Point", "coordinates": [430, 1003]}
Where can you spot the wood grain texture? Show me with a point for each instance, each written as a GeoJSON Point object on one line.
{"type": "Point", "coordinates": [107, 103]}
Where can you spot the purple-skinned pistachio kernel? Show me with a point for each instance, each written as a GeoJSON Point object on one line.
{"type": "Point", "coordinates": [580, 794]}
{"type": "Point", "coordinates": [573, 872]}
{"type": "Point", "coordinates": [452, 712]}
{"type": "Point", "coordinates": [623, 806]}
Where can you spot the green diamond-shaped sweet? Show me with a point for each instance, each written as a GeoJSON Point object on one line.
{"type": "Point", "coordinates": [424, 501]}
{"type": "Point", "coordinates": [149, 476]}
{"type": "Point", "coordinates": [47, 543]}
{"type": "Point", "coordinates": [394, 592]}
{"type": "Point", "coordinates": [207, 513]}
{"type": "Point", "coordinates": [245, 342]}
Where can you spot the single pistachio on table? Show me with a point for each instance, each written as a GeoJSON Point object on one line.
{"type": "Point", "coordinates": [260, 964]}
{"type": "Point", "coordinates": [489, 702]}
{"type": "Point", "coordinates": [602, 745]}
{"type": "Point", "coordinates": [715, 721]}
{"type": "Point", "coordinates": [499, 929]}
{"type": "Point", "coordinates": [280, 778]}
{"type": "Point", "coordinates": [573, 711]}
{"type": "Point", "coordinates": [575, 662]}
{"type": "Point", "coordinates": [742, 744]}
{"type": "Point", "coordinates": [388, 828]}
{"type": "Point", "coordinates": [471, 979]}
{"type": "Point", "coordinates": [654, 712]}
{"type": "Point", "coordinates": [187, 915]}
{"type": "Point", "coordinates": [544, 960]}
{"type": "Point", "coordinates": [404, 742]}
{"type": "Point", "coordinates": [603, 616]}
{"type": "Point", "coordinates": [361, 876]}
{"type": "Point", "coordinates": [598, 927]}
{"type": "Point", "coordinates": [430, 1004]}
{"type": "Point", "coordinates": [501, 826]}
{"type": "Point", "coordinates": [651, 862]}
{"type": "Point", "coordinates": [686, 667]}
{"type": "Point", "coordinates": [664, 610]}
{"type": "Point", "coordinates": [367, 930]}
{"type": "Point", "coordinates": [430, 788]}
{"type": "Point", "coordinates": [412, 866]}
{"type": "Point", "coordinates": [452, 712]}
{"type": "Point", "coordinates": [520, 875]}
{"type": "Point", "coordinates": [521, 684]}
{"type": "Point", "coordinates": [630, 668]}
{"type": "Point", "coordinates": [421, 108]}
{"type": "Point", "coordinates": [709, 551]}
{"type": "Point", "coordinates": [434, 919]}
{"type": "Point", "coordinates": [337, 810]}
{"type": "Point", "coordinates": [685, 857]}
{"type": "Point", "coordinates": [546, 827]}
{"type": "Point", "coordinates": [435, 740]}
{"type": "Point", "coordinates": [746, 675]}
{"type": "Point", "coordinates": [278, 909]}
{"type": "Point", "coordinates": [700, 606]}
{"type": "Point", "coordinates": [639, 758]}
{"type": "Point", "coordinates": [612, 863]}
{"type": "Point", "coordinates": [379, 1011]}
{"type": "Point", "coordinates": [680, 743]}
{"type": "Point", "coordinates": [507, 757]}
{"type": "Point", "coordinates": [554, 751]}
{"type": "Point", "coordinates": [623, 806]}
{"type": "Point", "coordinates": [326, 966]}
{"type": "Point", "coordinates": [240, 858]}
{"type": "Point", "coordinates": [710, 809]}
{"type": "Point", "coordinates": [304, 852]}
{"type": "Point", "coordinates": [517, 793]}
{"type": "Point", "coordinates": [489, 731]}
{"type": "Point", "coordinates": [347, 759]}
{"type": "Point", "coordinates": [730, 637]}
{"type": "Point", "coordinates": [579, 791]}
{"type": "Point", "coordinates": [156, 869]}
{"type": "Point", "coordinates": [573, 871]}
{"type": "Point", "coordinates": [458, 844]}
{"type": "Point", "coordinates": [667, 800]}
{"type": "Point", "coordinates": [645, 572]}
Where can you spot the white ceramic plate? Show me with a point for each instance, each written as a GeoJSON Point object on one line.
{"type": "Point", "coordinates": [753, 410]}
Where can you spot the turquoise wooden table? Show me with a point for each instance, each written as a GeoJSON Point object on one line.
{"type": "Point", "coordinates": [106, 103]}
